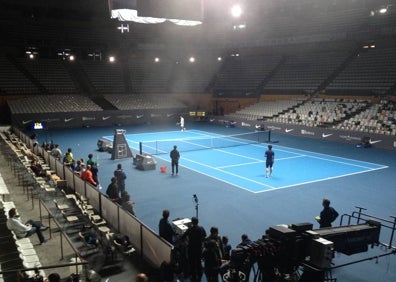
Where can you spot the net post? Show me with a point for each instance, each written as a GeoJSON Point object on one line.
{"type": "Point", "coordinates": [140, 148]}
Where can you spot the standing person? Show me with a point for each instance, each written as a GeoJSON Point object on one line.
{"type": "Point", "coordinates": [91, 160]}
{"type": "Point", "coordinates": [245, 241]}
{"type": "Point", "coordinates": [227, 248]}
{"type": "Point", "coordinates": [165, 228]}
{"type": "Point", "coordinates": [22, 230]}
{"type": "Point", "coordinates": [327, 215]}
{"type": "Point", "coordinates": [112, 191]}
{"type": "Point", "coordinates": [182, 123]}
{"type": "Point", "coordinates": [68, 160]}
{"type": "Point", "coordinates": [78, 168]}
{"type": "Point", "coordinates": [56, 152]}
{"type": "Point", "coordinates": [214, 236]}
{"type": "Point", "coordinates": [86, 175]}
{"type": "Point", "coordinates": [126, 202]}
{"type": "Point", "coordinates": [94, 169]}
{"type": "Point", "coordinates": [212, 261]}
{"type": "Point", "coordinates": [196, 236]}
{"type": "Point", "coordinates": [175, 156]}
{"type": "Point", "coordinates": [120, 175]}
{"type": "Point", "coordinates": [69, 150]}
{"type": "Point", "coordinates": [270, 157]}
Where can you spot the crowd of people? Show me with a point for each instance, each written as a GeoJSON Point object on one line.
{"type": "Point", "coordinates": [195, 253]}
{"type": "Point", "coordinates": [195, 246]}
{"type": "Point", "coordinates": [89, 172]}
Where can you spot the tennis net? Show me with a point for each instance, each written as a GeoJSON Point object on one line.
{"type": "Point", "coordinates": [203, 143]}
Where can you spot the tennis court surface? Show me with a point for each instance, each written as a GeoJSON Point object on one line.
{"type": "Point", "coordinates": [239, 159]}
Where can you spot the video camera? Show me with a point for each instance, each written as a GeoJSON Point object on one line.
{"type": "Point", "coordinates": [284, 248]}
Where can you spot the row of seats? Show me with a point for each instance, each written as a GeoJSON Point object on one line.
{"type": "Point", "coordinates": [17, 253]}
{"type": "Point", "coordinates": [371, 70]}
{"type": "Point", "coordinates": [73, 214]}
{"type": "Point", "coordinates": [141, 102]}
{"type": "Point", "coordinates": [268, 109]}
{"type": "Point", "coordinates": [378, 118]}
{"type": "Point", "coordinates": [51, 74]}
{"type": "Point", "coordinates": [344, 114]}
{"type": "Point", "coordinates": [14, 82]}
{"type": "Point", "coordinates": [53, 104]}
{"type": "Point", "coordinates": [319, 111]}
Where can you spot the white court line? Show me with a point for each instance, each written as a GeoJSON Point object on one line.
{"type": "Point", "coordinates": [310, 153]}
{"type": "Point", "coordinates": [323, 179]}
{"type": "Point", "coordinates": [229, 173]}
{"type": "Point", "coordinates": [277, 147]}
{"type": "Point", "coordinates": [258, 161]}
{"type": "Point", "coordinates": [340, 162]}
{"type": "Point", "coordinates": [241, 164]}
{"type": "Point", "coordinates": [220, 179]}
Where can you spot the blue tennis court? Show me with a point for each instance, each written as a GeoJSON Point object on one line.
{"type": "Point", "coordinates": [239, 160]}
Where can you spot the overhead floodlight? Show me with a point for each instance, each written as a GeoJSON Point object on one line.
{"type": "Point", "coordinates": [239, 26]}
{"type": "Point", "coordinates": [236, 11]}
{"type": "Point", "coordinates": [156, 59]}
{"type": "Point", "coordinates": [71, 58]}
{"type": "Point", "coordinates": [219, 59]}
{"type": "Point", "coordinates": [191, 60]}
{"type": "Point", "coordinates": [383, 10]}
{"type": "Point", "coordinates": [111, 59]}
{"type": "Point", "coordinates": [31, 56]}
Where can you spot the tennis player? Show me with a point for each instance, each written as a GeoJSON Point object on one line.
{"type": "Point", "coordinates": [270, 157]}
{"type": "Point", "coordinates": [182, 123]}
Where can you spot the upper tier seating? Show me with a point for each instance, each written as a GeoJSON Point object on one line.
{"type": "Point", "coordinates": [141, 102]}
{"type": "Point", "coordinates": [13, 81]}
{"type": "Point", "coordinates": [106, 77]}
{"type": "Point", "coordinates": [372, 71]}
{"type": "Point", "coordinates": [53, 104]}
{"type": "Point", "coordinates": [243, 74]}
{"type": "Point", "coordinates": [304, 72]}
{"type": "Point", "coordinates": [51, 74]}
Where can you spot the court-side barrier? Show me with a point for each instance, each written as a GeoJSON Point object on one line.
{"type": "Point", "coordinates": [322, 133]}
{"type": "Point", "coordinates": [151, 247]}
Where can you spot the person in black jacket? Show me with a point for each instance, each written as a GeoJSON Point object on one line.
{"type": "Point", "coordinates": [175, 156]}
{"type": "Point", "coordinates": [212, 261]}
{"type": "Point", "coordinates": [196, 236]}
{"type": "Point", "coordinates": [112, 191]}
{"type": "Point", "coordinates": [327, 215]}
{"type": "Point", "coordinates": [165, 228]}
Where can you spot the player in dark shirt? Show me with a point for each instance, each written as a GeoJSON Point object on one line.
{"type": "Point", "coordinates": [270, 157]}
